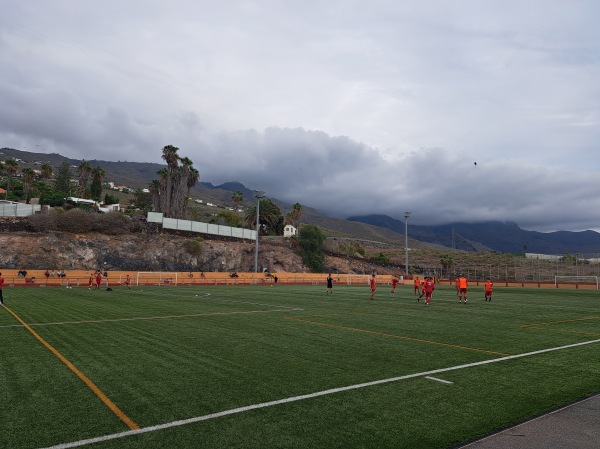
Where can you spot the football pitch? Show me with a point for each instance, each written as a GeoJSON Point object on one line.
{"type": "Point", "coordinates": [287, 366]}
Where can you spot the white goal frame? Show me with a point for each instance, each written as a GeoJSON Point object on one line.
{"type": "Point", "coordinates": [161, 278]}
{"type": "Point", "coordinates": [72, 283]}
{"type": "Point", "coordinates": [358, 279]}
{"type": "Point", "coordinates": [592, 280]}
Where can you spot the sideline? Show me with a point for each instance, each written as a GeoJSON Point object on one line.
{"type": "Point", "coordinates": [92, 386]}
{"type": "Point", "coordinates": [234, 411]}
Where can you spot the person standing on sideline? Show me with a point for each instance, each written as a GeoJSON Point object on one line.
{"type": "Point", "coordinates": [329, 284]}
{"type": "Point", "coordinates": [394, 283]}
{"type": "Point", "coordinates": [1, 284]}
{"type": "Point", "coordinates": [428, 288]}
{"type": "Point", "coordinates": [488, 289]}
{"type": "Point", "coordinates": [98, 280]}
{"type": "Point", "coordinates": [417, 285]}
{"type": "Point", "coordinates": [462, 289]}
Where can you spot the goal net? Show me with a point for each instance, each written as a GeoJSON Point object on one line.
{"type": "Point", "coordinates": [358, 279]}
{"type": "Point", "coordinates": [156, 278]}
{"type": "Point", "coordinates": [71, 283]}
{"type": "Point", "coordinates": [576, 281]}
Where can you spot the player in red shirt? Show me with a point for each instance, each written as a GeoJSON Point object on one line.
{"type": "Point", "coordinates": [428, 288]}
{"type": "Point", "coordinates": [128, 282]}
{"type": "Point", "coordinates": [395, 281]}
{"type": "Point", "coordinates": [1, 284]}
{"type": "Point", "coordinates": [373, 286]}
{"type": "Point", "coordinates": [98, 280]}
{"type": "Point", "coordinates": [417, 285]}
{"type": "Point", "coordinates": [456, 284]}
{"type": "Point", "coordinates": [488, 289]}
{"type": "Point", "coordinates": [90, 281]}
{"type": "Point", "coordinates": [462, 289]}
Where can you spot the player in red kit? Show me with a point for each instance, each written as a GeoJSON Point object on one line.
{"type": "Point", "coordinates": [1, 285]}
{"type": "Point", "coordinates": [428, 288]}
{"type": "Point", "coordinates": [373, 286]}
{"type": "Point", "coordinates": [128, 282]}
{"type": "Point", "coordinates": [394, 283]}
{"type": "Point", "coordinates": [488, 289]}
{"type": "Point", "coordinates": [98, 280]}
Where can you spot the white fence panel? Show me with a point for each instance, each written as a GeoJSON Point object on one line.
{"type": "Point", "coordinates": [197, 226]}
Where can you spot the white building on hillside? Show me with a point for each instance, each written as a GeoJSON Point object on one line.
{"type": "Point", "coordinates": [289, 231]}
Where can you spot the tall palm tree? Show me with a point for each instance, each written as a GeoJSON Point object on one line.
{"type": "Point", "coordinates": [164, 200]}
{"type": "Point", "coordinates": [237, 198]}
{"type": "Point", "coordinates": [180, 187]}
{"type": "Point", "coordinates": [28, 178]}
{"type": "Point", "coordinates": [98, 175]}
{"type": "Point", "coordinates": [296, 214]}
{"type": "Point", "coordinates": [171, 157]}
{"type": "Point", "coordinates": [155, 194]}
{"type": "Point", "coordinates": [85, 170]}
{"type": "Point", "coordinates": [11, 166]}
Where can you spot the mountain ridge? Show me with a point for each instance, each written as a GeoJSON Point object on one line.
{"type": "Point", "coordinates": [504, 237]}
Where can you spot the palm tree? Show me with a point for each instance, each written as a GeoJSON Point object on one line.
{"type": "Point", "coordinates": [193, 177]}
{"type": "Point", "coordinates": [296, 214]}
{"type": "Point", "coordinates": [28, 178]}
{"type": "Point", "coordinates": [172, 159]}
{"type": "Point", "coordinates": [180, 187]}
{"type": "Point", "coordinates": [98, 175]}
{"type": "Point", "coordinates": [237, 198]}
{"type": "Point", "coordinates": [155, 194]}
{"type": "Point", "coordinates": [11, 166]}
{"type": "Point", "coordinates": [164, 200]}
{"type": "Point", "coordinates": [47, 171]}
{"type": "Point", "coordinates": [270, 217]}
{"type": "Point", "coordinates": [84, 169]}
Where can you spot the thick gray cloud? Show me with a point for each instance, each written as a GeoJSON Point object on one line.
{"type": "Point", "coordinates": [352, 107]}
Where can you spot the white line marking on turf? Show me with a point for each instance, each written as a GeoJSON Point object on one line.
{"type": "Point", "coordinates": [439, 380]}
{"type": "Point", "coordinates": [303, 397]}
{"type": "Point", "coordinates": [114, 320]}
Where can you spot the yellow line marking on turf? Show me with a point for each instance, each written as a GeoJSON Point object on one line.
{"type": "Point", "coordinates": [401, 337]}
{"type": "Point", "coordinates": [110, 404]}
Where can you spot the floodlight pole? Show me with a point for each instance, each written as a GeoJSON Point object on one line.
{"type": "Point", "coordinates": [259, 196]}
{"type": "Point", "coordinates": [406, 215]}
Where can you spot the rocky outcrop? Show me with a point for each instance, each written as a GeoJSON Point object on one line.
{"type": "Point", "coordinates": [152, 252]}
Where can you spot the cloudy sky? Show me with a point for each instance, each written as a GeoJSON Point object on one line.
{"type": "Point", "coordinates": [351, 107]}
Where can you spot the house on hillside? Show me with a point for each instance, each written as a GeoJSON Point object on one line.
{"type": "Point", "coordinates": [289, 231]}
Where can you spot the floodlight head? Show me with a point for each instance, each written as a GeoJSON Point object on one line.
{"type": "Point", "coordinates": [406, 214]}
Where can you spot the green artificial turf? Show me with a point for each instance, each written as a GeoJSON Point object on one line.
{"type": "Point", "coordinates": [165, 354]}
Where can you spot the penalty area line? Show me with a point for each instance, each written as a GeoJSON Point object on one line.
{"type": "Point", "coordinates": [317, 394]}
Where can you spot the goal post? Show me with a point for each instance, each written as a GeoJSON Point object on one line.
{"type": "Point", "coordinates": [576, 281]}
{"type": "Point", "coordinates": [358, 279]}
{"type": "Point", "coordinates": [162, 278]}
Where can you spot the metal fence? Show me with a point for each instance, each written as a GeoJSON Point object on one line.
{"type": "Point", "coordinates": [13, 209]}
